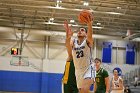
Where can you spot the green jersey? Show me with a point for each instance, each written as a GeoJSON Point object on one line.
{"type": "Point", "coordinates": [101, 74]}
{"type": "Point", "coordinates": [69, 79]}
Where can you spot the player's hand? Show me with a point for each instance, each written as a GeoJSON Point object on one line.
{"type": "Point", "coordinates": [89, 19]}
{"type": "Point", "coordinates": [68, 30]}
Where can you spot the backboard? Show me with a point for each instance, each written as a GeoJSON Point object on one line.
{"type": "Point", "coordinates": [19, 60]}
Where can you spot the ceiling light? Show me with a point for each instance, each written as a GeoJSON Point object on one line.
{"type": "Point", "coordinates": [51, 19]}
{"type": "Point", "coordinates": [72, 21]}
{"type": "Point", "coordinates": [85, 3]}
{"type": "Point", "coordinates": [57, 5]}
{"type": "Point", "coordinates": [98, 23]}
{"type": "Point", "coordinates": [118, 7]}
{"type": "Point", "coordinates": [74, 25]}
{"type": "Point", "coordinates": [59, 1]}
{"type": "Point", "coordinates": [51, 23]}
{"type": "Point", "coordinates": [115, 13]}
{"type": "Point", "coordinates": [96, 27]}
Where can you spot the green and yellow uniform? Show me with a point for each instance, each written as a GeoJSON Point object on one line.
{"type": "Point", "coordinates": [101, 74]}
{"type": "Point", "coordinates": [69, 79]}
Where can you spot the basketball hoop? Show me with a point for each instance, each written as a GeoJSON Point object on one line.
{"type": "Point", "coordinates": [19, 60]}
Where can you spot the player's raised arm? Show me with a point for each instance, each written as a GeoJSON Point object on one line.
{"type": "Point", "coordinates": [69, 34]}
{"type": "Point", "coordinates": [86, 17]}
{"type": "Point", "coordinates": [90, 31]}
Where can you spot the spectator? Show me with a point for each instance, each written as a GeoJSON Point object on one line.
{"type": "Point", "coordinates": [127, 90]}
{"type": "Point", "coordinates": [136, 81]}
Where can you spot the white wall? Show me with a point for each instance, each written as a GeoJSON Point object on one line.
{"type": "Point", "coordinates": [54, 62]}
{"type": "Point", "coordinates": [138, 54]}
{"type": "Point", "coordinates": [51, 56]}
{"type": "Point", "coordinates": [54, 66]}
{"type": "Point", "coordinates": [34, 67]}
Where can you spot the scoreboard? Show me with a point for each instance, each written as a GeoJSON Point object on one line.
{"type": "Point", "coordinates": [14, 51]}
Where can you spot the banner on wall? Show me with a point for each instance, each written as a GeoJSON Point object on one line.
{"type": "Point", "coordinates": [130, 53]}
{"type": "Point", "coordinates": [107, 52]}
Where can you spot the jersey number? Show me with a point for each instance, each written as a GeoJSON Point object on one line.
{"type": "Point", "coordinates": [97, 79]}
{"type": "Point", "coordinates": [80, 54]}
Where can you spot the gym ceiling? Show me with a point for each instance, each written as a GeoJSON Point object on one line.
{"type": "Point", "coordinates": [36, 20]}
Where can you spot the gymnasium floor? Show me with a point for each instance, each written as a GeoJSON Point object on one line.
{"type": "Point", "coordinates": [135, 89]}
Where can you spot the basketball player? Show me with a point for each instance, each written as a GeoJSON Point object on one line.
{"type": "Point", "coordinates": [117, 83]}
{"type": "Point", "coordinates": [81, 53]}
{"type": "Point", "coordinates": [69, 79]}
{"type": "Point", "coordinates": [102, 83]}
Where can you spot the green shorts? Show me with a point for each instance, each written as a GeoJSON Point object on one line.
{"type": "Point", "coordinates": [100, 91]}
{"type": "Point", "coordinates": [70, 88]}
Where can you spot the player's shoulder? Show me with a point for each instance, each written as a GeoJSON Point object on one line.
{"type": "Point", "coordinates": [120, 78]}
{"type": "Point", "coordinates": [104, 70]}
{"type": "Point", "coordinates": [74, 40]}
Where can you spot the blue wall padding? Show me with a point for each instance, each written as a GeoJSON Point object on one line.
{"type": "Point", "coordinates": [34, 82]}
{"type": "Point", "coordinates": [44, 83]}
{"type": "Point", "coordinates": [107, 52]}
{"type": "Point", "coordinates": [20, 81]}
{"type": "Point", "coordinates": [130, 54]}
{"type": "Point", "coordinates": [130, 57]}
{"type": "Point", "coordinates": [106, 55]}
{"type": "Point", "coordinates": [54, 81]}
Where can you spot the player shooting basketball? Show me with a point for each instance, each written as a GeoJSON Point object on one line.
{"type": "Point", "coordinates": [81, 53]}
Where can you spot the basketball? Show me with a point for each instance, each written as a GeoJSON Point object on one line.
{"type": "Point", "coordinates": [84, 15]}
